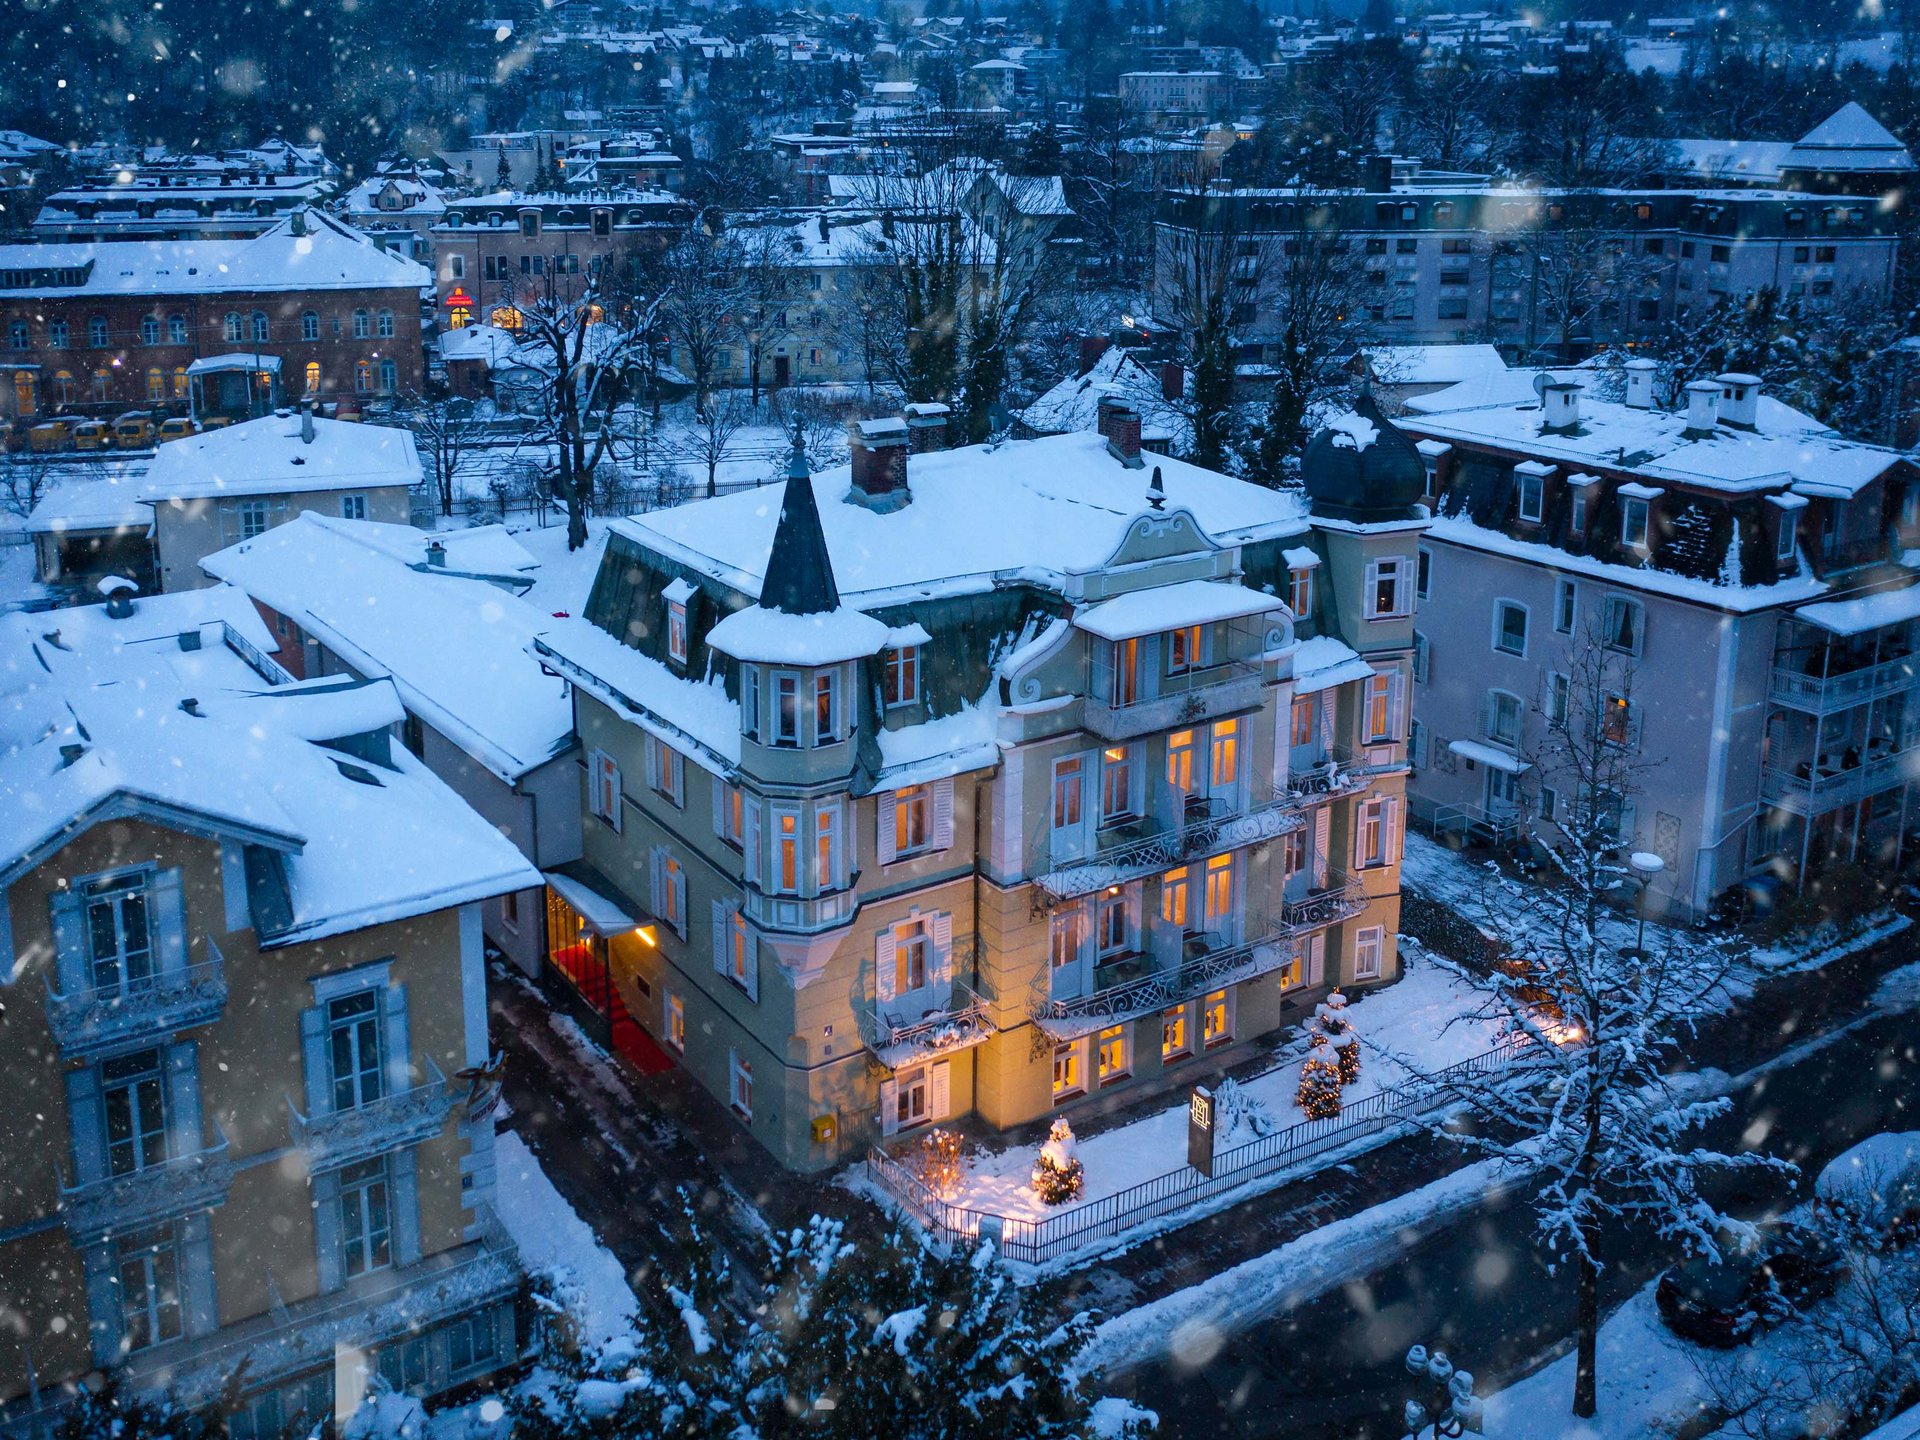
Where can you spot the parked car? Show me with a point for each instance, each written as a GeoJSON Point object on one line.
{"type": "Point", "coordinates": [1872, 1190]}
{"type": "Point", "coordinates": [1729, 1302]}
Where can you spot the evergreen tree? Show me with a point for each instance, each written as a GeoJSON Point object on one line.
{"type": "Point", "coordinates": [502, 176]}
{"type": "Point", "coordinates": [1319, 1093]}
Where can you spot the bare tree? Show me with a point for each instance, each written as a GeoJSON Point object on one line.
{"type": "Point", "coordinates": [1448, 116]}
{"type": "Point", "coordinates": [1579, 273]}
{"type": "Point", "coordinates": [446, 432]}
{"type": "Point", "coordinates": [700, 281]}
{"type": "Point", "coordinates": [1011, 268]}
{"type": "Point", "coordinates": [705, 441]}
{"type": "Point", "coordinates": [768, 284]}
{"type": "Point", "coordinates": [24, 478]}
{"type": "Point", "coordinates": [584, 349]}
{"type": "Point", "coordinates": [1207, 272]}
{"type": "Point", "coordinates": [1587, 1099]}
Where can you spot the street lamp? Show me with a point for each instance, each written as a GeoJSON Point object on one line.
{"type": "Point", "coordinates": [1645, 865]}
{"type": "Point", "coordinates": [1449, 1404]}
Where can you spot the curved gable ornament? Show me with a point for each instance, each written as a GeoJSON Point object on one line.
{"type": "Point", "coordinates": [1159, 535]}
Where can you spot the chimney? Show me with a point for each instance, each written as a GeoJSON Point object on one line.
{"type": "Point", "coordinates": [1640, 383]}
{"type": "Point", "coordinates": [436, 555]}
{"type": "Point", "coordinates": [1560, 406]}
{"type": "Point", "coordinates": [306, 422]}
{"type": "Point", "coordinates": [1092, 347]}
{"type": "Point", "coordinates": [1379, 174]}
{"type": "Point", "coordinates": [1173, 380]}
{"type": "Point", "coordinates": [119, 592]}
{"type": "Point", "coordinates": [1739, 400]}
{"type": "Point", "coordinates": [886, 224]}
{"type": "Point", "coordinates": [825, 236]}
{"type": "Point", "coordinates": [1703, 408]}
{"type": "Point", "coordinates": [927, 426]}
{"type": "Point", "coordinates": [1119, 422]}
{"type": "Point", "coordinates": [879, 464]}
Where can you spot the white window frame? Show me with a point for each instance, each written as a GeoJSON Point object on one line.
{"type": "Point", "coordinates": [1565, 606]}
{"type": "Point", "coordinates": [603, 788]}
{"type": "Point", "coordinates": [1787, 545]}
{"type": "Point", "coordinates": [675, 1025]}
{"type": "Point", "coordinates": [1388, 570]}
{"type": "Point", "coordinates": [1121, 1038]}
{"type": "Point", "coordinates": [353, 507]}
{"type": "Point", "coordinates": [1494, 707]}
{"type": "Point", "coordinates": [900, 684]}
{"type": "Point", "coordinates": [677, 631]}
{"type": "Point", "coordinates": [826, 826]}
{"type": "Point", "coordinates": [1074, 1053]}
{"type": "Point", "coordinates": [826, 683]}
{"type": "Point", "coordinates": [1369, 952]}
{"type": "Point", "coordinates": [750, 701]}
{"type": "Point", "coordinates": [253, 518]}
{"type": "Point", "coordinates": [1559, 699]}
{"type": "Point", "coordinates": [1607, 628]}
{"type": "Point", "coordinates": [1534, 486]}
{"type": "Point", "coordinates": [740, 1085]}
{"type": "Point", "coordinates": [666, 771]}
{"type": "Point", "coordinates": [777, 883]}
{"type": "Point", "coordinates": [1635, 516]}
{"type": "Point", "coordinates": [784, 682]}
{"type": "Point", "coordinates": [1300, 591]}
{"type": "Point", "coordinates": [1499, 641]}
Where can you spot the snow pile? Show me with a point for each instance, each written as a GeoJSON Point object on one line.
{"type": "Point", "coordinates": [1116, 1419]}
{"type": "Point", "coordinates": [554, 1239]}
{"type": "Point", "coordinates": [384, 1415]}
{"type": "Point", "coordinates": [1352, 432]}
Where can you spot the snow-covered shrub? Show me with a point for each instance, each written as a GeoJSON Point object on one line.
{"type": "Point", "coordinates": [386, 1415]}
{"type": "Point", "coordinates": [1058, 1175]}
{"type": "Point", "coordinates": [1319, 1094]}
{"type": "Point", "coordinates": [938, 1159]}
{"type": "Point", "coordinates": [1241, 1110]}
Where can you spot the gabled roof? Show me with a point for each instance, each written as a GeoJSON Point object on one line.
{"type": "Point", "coordinates": [268, 457]}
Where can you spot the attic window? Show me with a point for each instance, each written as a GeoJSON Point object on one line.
{"type": "Point", "coordinates": [359, 774]}
{"type": "Point", "coordinates": [677, 631]}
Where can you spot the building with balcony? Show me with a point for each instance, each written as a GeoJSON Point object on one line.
{"type": "Point", "coordinates": [989, 781]}
{"type": "Point", "coordinates": [1740, 575]}
{"type": "Point", "coordinates": [250, 1112]}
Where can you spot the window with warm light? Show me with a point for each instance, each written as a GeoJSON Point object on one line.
{"type": "Point", "coordinates": [1115, 1054]}
{"type": "Point", "coordinates": [912, 819]}
{"type": "Point", "coordinates": [1184, 650]}
{"type": "Point", "coordinates": [1174, 897]}
{"type": "Point", "coordinates": [1220, 892]}
{"type": "Point", "coordinates": [1216, 1019]}
{"type": "Point", "coordinates": [900, 677]}
{"type": "Point", "coordinates": [1117, 770]}
{"type": "Point", "coordinates": [912, 956]}
{"type": "Point", "coordinates": [1300, 728]}
{"type": "Point", "coordinates": [1174, 1044]}
{"type": "Point", "coordinates": [677, 632]}
{"type": "Point", "coordinates": [1069, 1070]}
{"type": "Point", "coordinates": [786, 852]}
{"type": "Point", "coordinates": [1180, 748]}
{"type": "Point", "coordinates": [1224, 764]}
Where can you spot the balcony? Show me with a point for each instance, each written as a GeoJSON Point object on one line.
{"type": "Point", "coordinates": [1813, 790]}
{"type": "Point", "coordinates": [93, 1019]}
{"type": "Point", "coordinates": [1136, 986]}
{"type": "Point", "coordinates": [1338, 897]}
{"type": "Point", "coordinates": [406, 1117]}
{"type": "Point", "coordinates": [1149, 846]}
{"type": "Point", "coordinates": [1826, 694]}
{"type": "Point", "coordinates": [800, 915]}
{"type": "Point", "coordinates": [1188, 699]}
{"type": "Point", "coordinates": [1338, 772]}
{"type": "Point", "coordinates": [961, 1025]}
{"type": "Point", "coordinates": [177, 1186]}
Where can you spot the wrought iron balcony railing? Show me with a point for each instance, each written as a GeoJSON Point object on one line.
{"type": "Point", "coordinates": [960, 1025]}
{"type": "Point", "coordinates": [179, 1185]}
{"type": "Point", "coordinates": [395, 1120]}
{"type": "Point", "coordinates": [96, 1018]}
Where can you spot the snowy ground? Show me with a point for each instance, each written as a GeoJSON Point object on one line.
{"type": "Point", "coordinates": [553, 1239]}
{"type": "Point", "coordinates": [565, 576]}
{"type": "Point", "coordinates": [1420, 1018]}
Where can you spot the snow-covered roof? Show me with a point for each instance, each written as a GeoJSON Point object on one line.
{"type": "Point", "coordinates": [1656, 445]}
{"type": "Point", "coordinates": [1037, 510]}
{"type": "Point", "coordinates": [1323, 661]}
{"type": "Point", "coordinates": [775, 637]}
{"type": "Point", "coordinates": [329, 255]}
{"type": "Point", "coordinates": [456, 648]}
{"type": "Point", "coordinates": [1867, 612]}
{"type": "Point", "coordinates": [268, 457]}
{"type": "Point", "coordinates": [100, 502]}
{"type": "Point", "coordinates": [1489, 755]}
{"type": "Point", "coordinates": [695, 716]}
{"type": "Point", "coordinates": [1169, 607]}
{"type": "Point", "coordinates": [1074, 403]}
{"type": "Point", "coordinates": [1850, 139]}
{"type": "Point", "coordinates": [1758, 161]}
{"type": "Point", "coordinates": [1433, 364]}
{"type": "Point", "coordinates": [92, 728]}
{"type": "Point", "coordinates": [489, 344]}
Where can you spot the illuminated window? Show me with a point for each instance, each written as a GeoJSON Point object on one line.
{"type": "Point", "coordinates": [156, 384]}
{"type": "Point", "coordinates": [677, 631]}
{"type": "Point", "coordinates": [1379, 707]}
{"type": "Point", "coordinates": [826, 846]}
{"type": "Point", "coordinates": [1302, 592]}
{"type": "Point", "coordinates": [1300, 731]}
{"type": "Point", "coordinates": [1115, 1054]}
{"type": "Point", "coordinates": [900, 680]}
{"type": "Point", "coordinates": [677, 1023]}
{"type": "Point", "coordinates": [1220, 892]}
{"type": "Point", "coordinates": [1184, 650]}
{"type": "Point", "coordinates": [1116, 783]}
{"type": "Point", "coordinates": [912, 956]}
{"type": "Point", "coordinates": [786, 852]}
{"type": "Point", "coordinates": [1174, 1044]}
{"type": "Point", "coordinates": [1216, 1019]}
{"type": "Point", "coordinates": [1180, 760]}
{"type": "Point", "coordinates": [1069, 1070]}
{"type": "Point", "coordinates": [739, 949]}
{"type": "Point", "coordinates": [1066, 793]}
{"type": "Point", "coordinates": [912, 819]}
{"type": "Point", "coordinates": [1173, 897]}
{"type": "Point", "coordinates": [180, 383]}
{"type": "Point", "coordinates": [740, 1085]}
{"type": "Point", "coordinates": [1225, 764]}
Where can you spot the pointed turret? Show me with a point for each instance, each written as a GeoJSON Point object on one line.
{"type": "Point", "coordinates": [799, 579]}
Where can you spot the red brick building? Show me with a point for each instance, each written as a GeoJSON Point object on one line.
{"type": "Point", "coordinates": [99, 329]}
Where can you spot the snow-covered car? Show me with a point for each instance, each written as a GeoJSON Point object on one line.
{"type": "Point", "coordinates": [1873, 1189]}
{"type": "Point", "coordinates": [1729, 1302]}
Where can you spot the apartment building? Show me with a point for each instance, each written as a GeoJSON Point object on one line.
{"type": "Point", "coordinates": [992, 781]}
{"type": "Point", "coordinates": [1739, 570]}
{"type": "Point", "coordinates": [495, 252]}
{"type": "Point", "coordinates": [310, 308]}
{"type": "Point", "coordinates": [1455, 262]}
{"type": "Point", "coordinates": [249, 1118]}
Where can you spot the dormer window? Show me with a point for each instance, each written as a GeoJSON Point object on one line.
{"type": "Point", "coordinates": [1387, 588]}
{"type": "Point", "coordinates": [1300, 593]}
{"type": "Point", "coordinates": [786, 710]}
{"type": "Point", "coordinates": [1633, 522]}
{"type": "Point", "coordinates": [900, 679]}
{"type": "Point", "coordinates": [1532, 486]}
{"type": "Point", "coordinates": [1789, 537]}
{"type": "Point", "coordinates": [677, 631]}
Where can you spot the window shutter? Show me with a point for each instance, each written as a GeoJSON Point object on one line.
{"type": "Point", "coordinates": [678, 880]}
{"type": "Point", "coordinates": [1317, 957]}
{"type": "Point", "coordinates": [183, 1098]}
{"type": "Point", "coordinates": [752, 975]}
{"type": "Point", "coordinates": [84, 1119]}
{"type": "Point", "coordinates": [720, 916]}
{"type": "Point", "coordinates": [404, 1197]}
{"type": "Point", "coordinates": [1359, 836]}
{"type": "Point", "coordinates": [613, 793]}
{"type": "Point", "coordinates": [718, 790]}
{"type": "Point", "coordinates": [1326, 719]}
{"type": "Point", "coordinates": [1397, 705]}
{"type": "Point", "coordinates": [1391, 819]}
{"type": "Point", "coordinates": [883, 967]}
{"type": "Point", "coordinates": [943, 814]}
{"type": "Point", "coordinates": [889, 1107]}
{"type": "Point", "coordinates": [393, 1014]}
{"type": "Point", "coordinates": [326, 1230]}
{"type": "Point", "coordinates": [170, 921]}
{"type": "Point", "coordinates": [940, 1090]}
{"type": "Point", "coordinates": [943, 954]}
{"type": "Point", "coordinates": [313, 1061]}
{"type": "Point", "coordinates": [1322, 843]}
{"type": "Point", "coordinates": [650, 751]}
{"type": "Point", "coordinates": [70, 942]}
{"type": "Point", "coordinates": [679, 767]}
{"type": "Point", "coordinates": [884, 834]}
{"type": "Point", "coordinates": [654, 888]}
{"type": "Point", "coordinates": [750, 840]}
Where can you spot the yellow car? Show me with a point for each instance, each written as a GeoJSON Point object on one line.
{"type": "Point", "coordinates": [49, 435]}
{"type": "Point", "coordinates": [176, 428]}
{"type": "Point", "coordinates": [92, 435]}
{"type": "Point", "coordinates": [132, 432]}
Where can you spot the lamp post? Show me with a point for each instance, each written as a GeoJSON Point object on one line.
{"type": "Point", "coordinates": [1447, 1403]}
{"type": "Point", "coordinates": [1645, 865]}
